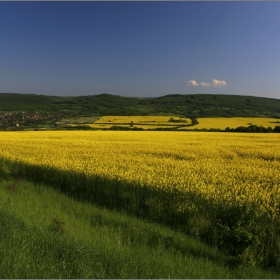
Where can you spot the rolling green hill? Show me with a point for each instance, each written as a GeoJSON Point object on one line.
{"type": "Point", "coordinates": [46, 110]}
{"type": "Point", "coordinates": [198, 105]}
{"type": "Point", "coordinates": [15, 101]}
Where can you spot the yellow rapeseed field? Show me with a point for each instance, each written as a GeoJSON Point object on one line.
{"type": "Point", "coordinates": [145, 126]}
{"type": "Point", "coordinates": [144, 122]}
{"type": "Point", "coordinates": [229, 168]}
{"type": "Point", "coordinates": [235, 122]}
{"type": "Point", "coordinates": [140, 119]}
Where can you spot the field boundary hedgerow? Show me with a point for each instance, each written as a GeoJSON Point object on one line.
{"type": "Point", "coordinates": [243, 232]}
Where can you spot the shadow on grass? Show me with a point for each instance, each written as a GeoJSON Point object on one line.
{"type": "Point", "coordinates": [150, 204]}
{"type": "Point", "coordinates": [168, 207]}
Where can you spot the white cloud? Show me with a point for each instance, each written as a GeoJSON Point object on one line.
{"type": "Point", "coordinates": [205, 84]}
{"type": "Point", "coordinates": [193, 83]}
{"type": "Point", "coordinates": [217, 83]}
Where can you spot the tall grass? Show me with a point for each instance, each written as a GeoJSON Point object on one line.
{"type": "Point", "coordinates": [45, 234]}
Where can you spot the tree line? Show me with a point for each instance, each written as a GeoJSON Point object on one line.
{"type": "Point", "coordinates": [254, 128]}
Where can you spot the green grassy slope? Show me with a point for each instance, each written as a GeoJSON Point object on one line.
{"type": "Point", "coordinates": [45, 234]}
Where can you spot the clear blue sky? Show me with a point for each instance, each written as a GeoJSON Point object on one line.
{"type": "Point", "coordinates": [140, 48]}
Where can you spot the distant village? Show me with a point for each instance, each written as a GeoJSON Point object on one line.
{"type": "Point", "coordinates": [24, 120]}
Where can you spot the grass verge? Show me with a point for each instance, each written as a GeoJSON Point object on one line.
{"type": "Point", "coordinates": [46, 234]}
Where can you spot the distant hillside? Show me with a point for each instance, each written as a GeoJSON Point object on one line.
{"type": "Point", "coordinates": [195, 105]}
{"type": "Point", "coordinates": [15, 101]}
